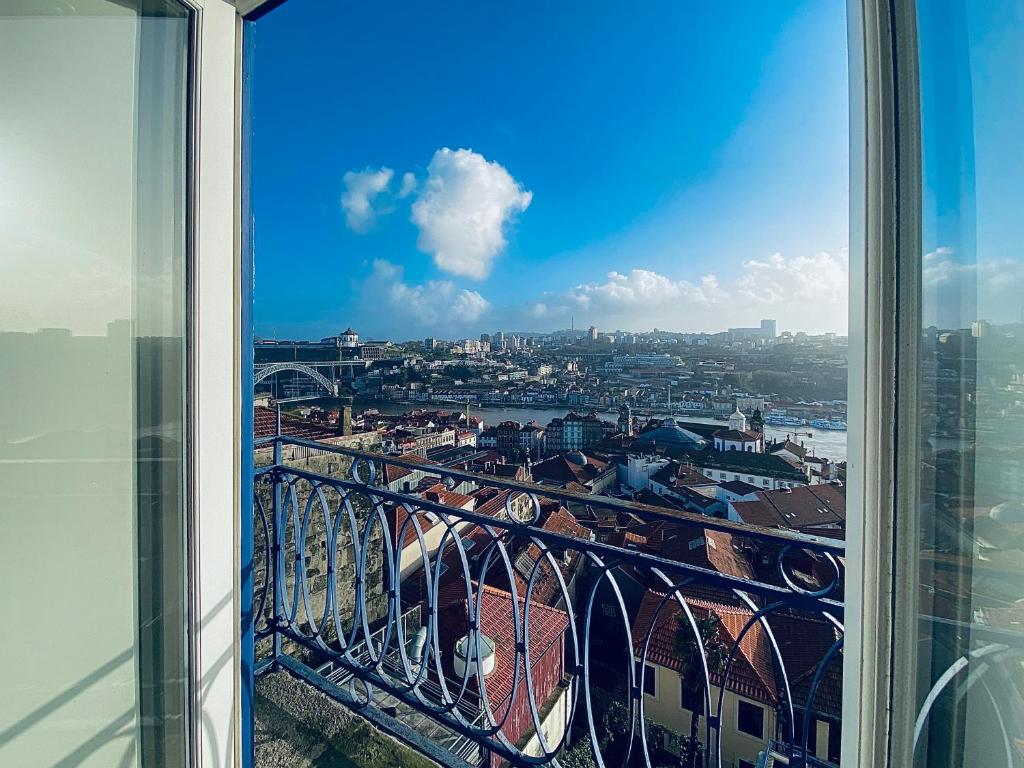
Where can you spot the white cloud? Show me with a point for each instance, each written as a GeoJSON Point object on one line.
{"type": "Point", "coordinates": [643, 291]}
{"type": "Point", "coordinates": [408, 185]}
{"type": "Point", "coordinates": [434, 305]}
{"type": "Point", "coordinates": [958, 292]}
{"type": "Point", "coordinates": [462, 210]}
{"type": "Point", "coordinates": [361, 188]}
{"type": "Point", "coordinates": [815, 283]}
{"type": "Point", "coordinates": [802, 293]}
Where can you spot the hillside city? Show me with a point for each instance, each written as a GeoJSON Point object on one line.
{"type": "Point", "coordinates": [745, 427]}
{"type": "Point", "coordinates": [800, 377]}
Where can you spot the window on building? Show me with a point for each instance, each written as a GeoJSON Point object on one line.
{"type": "Point", "coordinates": [690, 700]}
{"type": "Point", "coordinates": [650, 680]}
{"type": "Point", "coordinates": [835, 731]}
{"type": "Point", "coordinates": [750, 719]}
{"type": "Point", "coordinates": [745, 764]}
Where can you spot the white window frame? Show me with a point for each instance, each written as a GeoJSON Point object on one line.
{"type": "Point", "coordinates": [216, 381]}
{"type": "Point", "coordinates": [882, 55]}
{"type": "Point", "coordinates": [885, 189]}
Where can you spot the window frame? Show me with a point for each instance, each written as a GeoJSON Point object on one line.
{"type": "Point", "coordinates": [884, 185]}
{"type": "Point", "coordinates": [740, 704]}
{"type": "Point", "coordinates": [885, 194]}
{"type": "Point", "coordinates": [650, 673]}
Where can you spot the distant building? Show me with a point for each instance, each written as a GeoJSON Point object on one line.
{"type": "Point", "coordinates": [507, 434]}
{"type": "Point", "coordinates": [532, 440]}
{"type": "Point", "coordinates": [373, 350]}
{"type": "Point", "coordinates": [670, 436]}
{"type": "Point", "coordinates": [767, 330]}
{"type": "Point", "coordinates": [626, 420]}
{"type": "Point", "coordinates": [738, 438]}
{"type": "Point", "coordinates": [573, 433]}
{"type": "Point", "coordinates": [576, 471]}
{"type": "Point", "coordinates": [348, 339]}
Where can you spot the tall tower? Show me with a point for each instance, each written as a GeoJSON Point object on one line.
{"type": "Point", "coordinates": [626, 420]}
{"type": "Point", "coordinates": [757, 421]}
{"type": "Point", "coordinates": [738, 421]}
{"type": "Point", "coordinates": [348, 338]}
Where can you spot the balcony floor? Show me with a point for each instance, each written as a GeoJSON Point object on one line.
{"type": "Point", "coordinates": [299, 727]}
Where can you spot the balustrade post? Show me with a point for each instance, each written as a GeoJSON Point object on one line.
{"type": "Point", "coordinates": [277, 550]}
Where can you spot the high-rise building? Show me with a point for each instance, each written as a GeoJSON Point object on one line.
{"type": "Point", "coordinates": [768, 329]}
{"type": "Point", "coordinates": [592, 334]}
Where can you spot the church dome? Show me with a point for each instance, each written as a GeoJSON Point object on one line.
{"type": "Point", "coordinates": [670, 434]}
{"type": "Point", "coordinates": [577, 457]}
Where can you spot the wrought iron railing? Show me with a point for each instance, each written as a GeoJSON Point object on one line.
{"type": "Point", "coordinates": [780, 754]}
{"type": "Point", "coordinates": [334, 533]}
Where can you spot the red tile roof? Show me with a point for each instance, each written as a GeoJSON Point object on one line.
{"type": "Point", "coordinates": [713, 550]}
{"type": "Point", "coordinates": [393, 472]}
{"type": "Point", "coordinates": [801, 507]}
{"type": "Point", "coordinates": [265, 425]}
{"type": "Point", "coordinates": [803, 642]}
{"type": "Point", "coordinates": [560, 469]}
{"type": "Point", "coordinates": [547, 625]}
{"type": "Point", "coordinates": [525, 555]}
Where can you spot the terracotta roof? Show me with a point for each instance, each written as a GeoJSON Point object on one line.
{"type": "Point", "coordinates": [809, 506]}
{"type": "Point", "coordinates": [560, 469]}
{"type": "Point", "coordinates": [438, 493]}
{"type": "Point", "coordinates": [547, 626]}
{"type": "Point", "coordinates": [265, 425]}
{"type": "Point", "coordinates": [393, 472]}
{"type": "Point", "coordinates": [803, 642]}
{"type": "Point", "coordinates": [676, 475]}
{"type": "Point", "coordinates": [736, 436]}
{"type": "Point", "coordinates": [751, 674]}
{"type": "Point", "coordinates": [788, 445]}
{"type": "Point", "coordinates": [704, 548]}
{"type": "Point", "coordinates": [626, 540]}
{"type": "Point", "coordinates": [525, 554]}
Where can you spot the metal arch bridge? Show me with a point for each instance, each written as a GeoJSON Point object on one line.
{"type": "Point", "coordinates": [263, 371]}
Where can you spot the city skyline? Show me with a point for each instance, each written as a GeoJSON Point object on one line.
{"type": "Point", "coordinates": [669, 182]}
{"type": "Point", "coordinates": [578, 332]}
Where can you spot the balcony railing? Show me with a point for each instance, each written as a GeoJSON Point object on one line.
{"type": "Point", "coordinates": [778, 755]}
{"type": "Point", "coordinates": [528, 623]}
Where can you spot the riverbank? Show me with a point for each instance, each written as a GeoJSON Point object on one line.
{"type": "Point", "coordinates": [825, 443]}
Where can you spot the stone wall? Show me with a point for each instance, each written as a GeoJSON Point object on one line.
{"type": "Point", "coordinates": [316, 553]}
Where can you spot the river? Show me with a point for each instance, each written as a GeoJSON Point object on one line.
{"type": "Point", "coordinates": [830, 444]}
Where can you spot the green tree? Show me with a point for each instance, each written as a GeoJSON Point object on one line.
{"type": "Point", "coordinates": [579, 755]}
{"type": "Point", "coordinates": [716, 651]}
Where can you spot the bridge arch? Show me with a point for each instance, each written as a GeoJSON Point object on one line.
{"type": "Point", "coordinates": [264, 371]}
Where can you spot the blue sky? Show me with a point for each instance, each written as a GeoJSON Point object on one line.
{"type": "Point", "coordinates": [972, 60]}
{"type": "Point", "coordinates": [456, 168]}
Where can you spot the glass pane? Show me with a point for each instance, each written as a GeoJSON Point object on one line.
{"type": "Point", "coordinates": [92, 371]}
{"type": "Point", "coordinates": [970, 677]}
